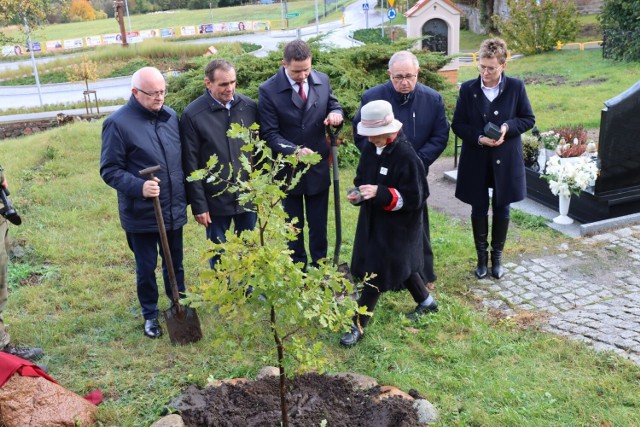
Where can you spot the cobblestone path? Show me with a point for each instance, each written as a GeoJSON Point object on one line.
{"type": "Point", "coordinates": [591, 294]}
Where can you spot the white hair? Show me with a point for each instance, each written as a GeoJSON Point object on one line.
{"type": "Point", "coordinates": [403, 55]}
{"type": "Point", "coordinates": [143, 74]}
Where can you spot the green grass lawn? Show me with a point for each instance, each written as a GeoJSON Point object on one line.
{"type": "Point", "coordinates": [569, 86]}
{"type": "Point", "coordinates": [81, 306]}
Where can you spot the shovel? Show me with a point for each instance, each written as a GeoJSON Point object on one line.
{"type": "Point", "coordinates": [182, 322]}
{"type": "Point", "coordinates": [333, 136]}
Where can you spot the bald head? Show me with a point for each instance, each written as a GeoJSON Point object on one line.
{"type": "Point", "coordinates": [148, 87]}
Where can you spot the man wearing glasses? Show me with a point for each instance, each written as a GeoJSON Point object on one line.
{"type": "Point", "coordinates": [421, 111]}
{"type": "Point", "coordinates": [141, 134]}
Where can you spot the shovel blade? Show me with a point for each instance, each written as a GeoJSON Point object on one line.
{"type": "Point", "coordinates": [183, 325]}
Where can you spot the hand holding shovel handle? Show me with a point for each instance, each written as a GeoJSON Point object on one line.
{"type": "Point", "coordinates": [148, 172]}
{"type": "Point", "coordinates": [333, 136]}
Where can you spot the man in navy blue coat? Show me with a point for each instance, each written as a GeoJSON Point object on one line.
{"type": "Point", "coordinates": [421, 111]}
{"type": "Point", "coordinates": [294, 107]}
{"type": "Point", "coordinates": [141, 134]}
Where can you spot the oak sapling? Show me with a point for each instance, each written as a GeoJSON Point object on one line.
{"type": "Point", "coordinates": [293, 306]}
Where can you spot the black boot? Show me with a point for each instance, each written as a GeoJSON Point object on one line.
{"type": "Point", "coordinates": [499, 229]}
{"type": "Point", "coordinates": [480, 226]}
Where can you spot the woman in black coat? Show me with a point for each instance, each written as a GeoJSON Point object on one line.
{"type": "Point", "coordinates": [391, 190]}
{"type": "Point", "coordinates": [491, 159]}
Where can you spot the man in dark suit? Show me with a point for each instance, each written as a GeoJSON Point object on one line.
{"type": "Point", "coordinates": [294, 107]}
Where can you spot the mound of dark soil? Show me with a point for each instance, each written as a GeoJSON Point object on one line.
{"type": "Point", "coordinates": [312, 399]}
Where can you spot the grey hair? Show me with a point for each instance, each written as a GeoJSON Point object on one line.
{"type": "Point", "coordinates": [402, 56]}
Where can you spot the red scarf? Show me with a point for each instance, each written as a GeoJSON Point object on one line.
{"type": "Point", "coordinates": [10, 364]}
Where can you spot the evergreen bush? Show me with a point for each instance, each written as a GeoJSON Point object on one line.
{"type": "Point", "coordinates": [351, 71]}
{"type": "Point", "coordinates": [620, 21]}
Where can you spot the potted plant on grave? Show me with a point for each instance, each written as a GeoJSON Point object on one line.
{"type": "Point", "coordinates": [530, 151]}
{"type": "Point", "coordinates": [565, 142]}
{"type": "Point", "coordinates": [573, 141]}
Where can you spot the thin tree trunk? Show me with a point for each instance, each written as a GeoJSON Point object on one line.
{"type": "Point", "coordinates": [283, 384]}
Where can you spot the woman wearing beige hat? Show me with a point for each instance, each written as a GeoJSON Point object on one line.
{"type": "Point", "coordinates": [391, 192]}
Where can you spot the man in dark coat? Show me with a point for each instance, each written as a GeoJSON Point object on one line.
{"type": "Point", "coordinates": [141, 134]}
{"type": "Point", "coordinates": [391, 192]}
{"type": "Point", "coordinates": [421, 111]}
{"type": "Point", "coordinates": [294, 106]}
{"type": "Point", "coordinates": [203, 129]}
{"type": "Point", "coordinates": [491, 162]}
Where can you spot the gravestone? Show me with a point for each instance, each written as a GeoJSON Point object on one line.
{"type": "Point", "coordinates": [619, 149]}
{"type": "Point", "coordinates": [617, 189]}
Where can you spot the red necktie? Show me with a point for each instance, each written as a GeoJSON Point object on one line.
{"type": "Point", "coordinates": [301, 92]}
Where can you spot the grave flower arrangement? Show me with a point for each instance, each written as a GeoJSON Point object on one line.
{"type": "Point", "coordinates": [570, 176]}
{"type": "Point", "coordinates": [550, 139]}
{"type": "Point", "coordinates": [569, 141]}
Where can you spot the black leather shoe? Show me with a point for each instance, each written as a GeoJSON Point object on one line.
{"type": "Point", "coordinates": [423, 309]}
{"type": "Point", "coordinates": [152, 328]}
{"type": "Point", "coordinates": [31, 354]}
{"type": "Point", "coordinates": [351, 338]}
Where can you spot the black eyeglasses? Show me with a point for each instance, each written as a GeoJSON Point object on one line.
{"type": "Point", "coordinates": [153, 94]}
{"type": "Point", "coordinates": [399, 78]}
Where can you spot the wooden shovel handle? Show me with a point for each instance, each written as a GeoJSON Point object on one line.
{"type": "Point", "coordinates": [148, 172]}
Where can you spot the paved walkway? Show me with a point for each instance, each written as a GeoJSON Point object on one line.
{"type": "Point", "coordinates": [586, 297]}
{"type": "Point", "coordinates": [587, 289]}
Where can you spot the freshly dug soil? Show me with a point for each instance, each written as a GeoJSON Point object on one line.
{"type": "Point", "coordinates": [312, 398]}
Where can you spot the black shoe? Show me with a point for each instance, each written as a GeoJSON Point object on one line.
{"type": "Point", "coordinates": [423, 309]}
{"type": "Point", "coordinates": [152, 328]}
{"type": "Point", "coordinates": [31, 354]}
{"type": "Point", "coordinates": [351, 338]}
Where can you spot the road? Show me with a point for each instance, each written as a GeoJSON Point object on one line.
{"type": "Point", "coordinates": [337, 35]}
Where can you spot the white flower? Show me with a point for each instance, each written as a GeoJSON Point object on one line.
{"type": "Point", "coordinates": [570, 176]}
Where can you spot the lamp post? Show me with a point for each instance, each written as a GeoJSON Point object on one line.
{"type": "Point", "coordinates": [382, 16]}
{"type": "Point", "coordinates": [126, 8]}
{"type": "Point", "coordinates": [33, 59]}
{"type": "Point", "coordinates": [317, 24]}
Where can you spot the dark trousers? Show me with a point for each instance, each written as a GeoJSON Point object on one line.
{"type": "Point", "coordinates": [220, 224]}
{"type": "Point", "coordinates": [316, 208]}
{"type": "Point", "coordinates": [370, 295]}
{"type": "Point", "coordinates": [428, 273]}
{"type": "Point", "coordinates": [480, 210]}
{"type": "Point", "coordinates": [145, 248]}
